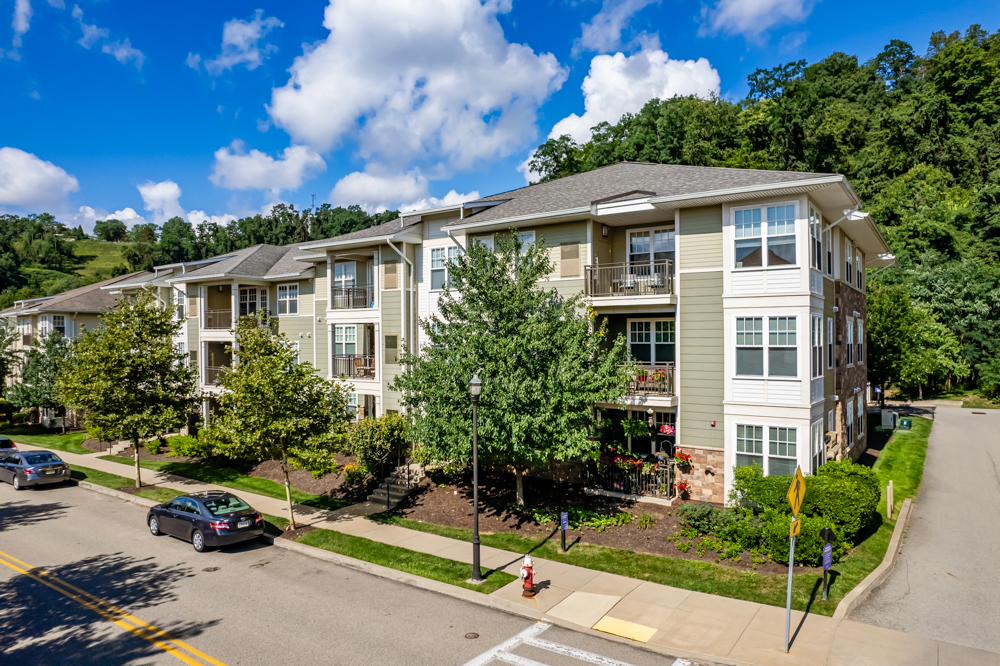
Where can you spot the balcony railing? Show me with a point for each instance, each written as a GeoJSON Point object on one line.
{"type": "Point", "coordinates": [353, 298]}
{"type": "Point", "coordinates": [645, 279]}
{"type": "Point", "coordinates": [213, 373]}
{"type": "Point", "coordinates": [219, 319]}
{"type": "Point", "coordinates": [657, 481]}
{"type": "Point", "coordinates": [361, 366]}
{"type": "Point", "coordinates": [651, 380]}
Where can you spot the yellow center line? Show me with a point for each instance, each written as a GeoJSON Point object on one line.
{"type": "Point", "coordinates": [113, 613]}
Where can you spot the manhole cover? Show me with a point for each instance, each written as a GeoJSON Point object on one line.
{"type": "Point", "coordinates": [211, 569]}
{"type": "Point", "coordinates": [472, 635]}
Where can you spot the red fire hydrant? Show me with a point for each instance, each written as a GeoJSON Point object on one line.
{"type": "Point", "coordinates": [528, 574]}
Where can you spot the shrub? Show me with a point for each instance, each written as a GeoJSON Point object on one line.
{"type": "Point", "coordinates": [319, 462]}
{"type": "Point", "coordinates": [754, 490]}
{"type": "Point", "coordinates": [700, 517]}
{"type": "Point", "coordinates": [354, 474]}
{"type": "Point", "coordinates": [375, 441]}
{"type": "Point", "coordinates": [847, 495]}
{"type": "Point", "coordinates": [188, 446]}
{"type": "Point", "coordinates": [808, 544]}
{"type": "Point", "coordinates": [20, 418]}
{"type": "Point", "coordinates": [646, 521]}
{"type": "Point", "coordinates": [153, 446]}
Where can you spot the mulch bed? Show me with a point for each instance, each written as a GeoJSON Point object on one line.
{"type": "Point", "coordinates": [447, 500]}
{"type": "Point", "coordinates": [292, 535]}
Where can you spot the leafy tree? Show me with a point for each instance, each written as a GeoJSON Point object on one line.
{"type": "Point", "coordinates": [377, 441]}
{"type": "Point", "coordinates": [178, 242]}
{"type": "Point", "coordinates": [139, 256]}
{"type": "Point", "coordinates": [540, 357]}
{"type": "Point", "coordinates": [144, 233]}
{"type": "Point", "coordinates": [110, 230]}
{"type": "Point", "coordinates": [275, 408]}
{"type": "Point", "coordinates": [40, 371]}
{"type": "Point", "coordinates": [127, 376]}
{"type": "Point", "coordinates": [932, 352]}
{"type": "Point", "coordinates": [8, 357]}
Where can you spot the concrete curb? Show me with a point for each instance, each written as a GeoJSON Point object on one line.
{"type": "Point", "coordinates": [141, 501]}
{"type": "Point", "coordinates": [881, 572]}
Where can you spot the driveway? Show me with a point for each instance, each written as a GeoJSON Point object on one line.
{"type": "Point", "coordinates": [946, 583]}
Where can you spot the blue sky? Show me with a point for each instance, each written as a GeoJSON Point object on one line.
{"type": "Point", "coordinates": [219, 109]}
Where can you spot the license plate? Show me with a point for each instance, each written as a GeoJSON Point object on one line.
{"type": "Point", "coordinates": [51, 471]}
{"type": "Point", "coordinates": [243, 523]}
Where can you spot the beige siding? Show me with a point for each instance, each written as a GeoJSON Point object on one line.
{"type": "Point", "coordinates": [566, 288]}
{"type": "Point", "coordinates": [701, 360]}
{"type": "Point", "coordinates": [322, 283]}
{"type": "Point", "coordinates": [390, 312]}
{"type": "Point", "coordinates": [701, 238]}
{"type": "Point", "coordinates": [299, 329]}
{"type": "Point", "coordinates": [219, 300]}
{"type": "Point", "coordinates": [556, 234]}
{"type": "Point", "coordinates": [91, 321]}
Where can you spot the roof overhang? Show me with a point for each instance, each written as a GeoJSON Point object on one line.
{"type": "Point", "coordinates": [303, 274]}
{"type": "Point", "coordinates": [410, 234]}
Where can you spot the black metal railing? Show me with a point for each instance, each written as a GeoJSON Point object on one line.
{"type": "Point", "coordinates": [655, 379]}
{"type": "Point", "coordinates": [219, 319]}
{"type": "Point", "coordinates": [643, 279]}
{"type": "Point", "coordinates": [361, 366]}
{"type": "Point", "coordinates": [656, 481]}
{"type": "Point", "coordinates": [353, 298]}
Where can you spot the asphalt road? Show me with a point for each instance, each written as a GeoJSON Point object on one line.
{"type": "Point", "coordinates": [252, 604]}
{"type": "Point", "coordinates": [946, 583]}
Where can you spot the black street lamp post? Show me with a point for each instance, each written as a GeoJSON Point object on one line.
{"type": "Point", "coordinates": [475, 388]}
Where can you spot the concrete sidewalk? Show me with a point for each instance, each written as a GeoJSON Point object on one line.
{"type": "Point", "coordinates": [704, 626]}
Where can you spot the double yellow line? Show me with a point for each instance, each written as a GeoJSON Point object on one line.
{"type": "Point", "coordinates": [109, 611]}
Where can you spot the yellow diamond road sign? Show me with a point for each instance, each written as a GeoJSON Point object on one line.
{"type": "Point", "coordinates": [793, 530]}
{"type": "Point", "coordinates": [797, 492]}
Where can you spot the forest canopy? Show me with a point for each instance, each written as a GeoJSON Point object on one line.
{"type": "Point", "coordinates": [918, 137]}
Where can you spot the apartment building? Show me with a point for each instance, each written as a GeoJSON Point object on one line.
{"type": "Point", "coordinates": [740, 294]}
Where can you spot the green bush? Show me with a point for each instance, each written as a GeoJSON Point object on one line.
{"type": "Point", "coordinates": [188, 446]}
{"type": "Point", "coordinates": [847, 495]}
{"type": "Point", "coordinates": [94, 432]}
{"type": "Point", "coordinates": [319, 462]}
{"type": "Point", "coordinates": [754, 490]}
{"type": "Point", "coordinates": [20, 418]}
{"type": "Point", "coordinates": [354, 474]}
{"type": "Point", "coordinates": [808, 544]}
{"type": "Point", "coordinates": [153, 446]}
{"type": "Point", "coordinates": [374, 441]}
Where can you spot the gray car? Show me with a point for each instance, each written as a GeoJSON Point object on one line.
{"type": "Point", "coordinates": [33, 468]}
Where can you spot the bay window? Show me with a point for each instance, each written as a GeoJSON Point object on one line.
{"type": "Point", "coordinates": [652, 341]}
{"type": "Point", "coordinates": [815, 239]}
{"type": "Point", "coordinates": [780, 235]}
{"type": "Point", "coordinates": [816, 358]}
{"type": "Point", "coordinates": [781, 457]}
{"type": "Point", "coordinates": [781, 347]}
{"type": "Point", "coordinates": [749, 346]}
{"type": "Point", "coordinates": [288, 299]}
{"type": "Point", "coordinates": [750, 236]}
{"type": "Point", "coordinates": [778, 458]}
{"type": "Point", "coordinates": [749, 446]}
{"type": "Point", "coordinates": [748, 239]}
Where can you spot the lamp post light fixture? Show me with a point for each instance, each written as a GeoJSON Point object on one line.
{"type": "Point", "coordinates": [475, 388]}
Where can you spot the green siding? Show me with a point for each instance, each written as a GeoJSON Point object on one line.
{"type": "Point", "coordinates": [390, 312]}
{"type": "Point", "coordinates": [292, 327]}
{"type": "Point", "coordinates": [566, 288]}
{"type": "Point", "coordinates": [701, 238]}
{"type": "Point", "coordinates": [701, 360]}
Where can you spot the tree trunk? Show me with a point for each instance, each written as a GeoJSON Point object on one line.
{"type": "Point", "coordinates": [519, 476]}
{"type": "Point", "coordinates": [288, 490]}
{"type": "Point", "coordinates": [65, 416]}
{"type": "Point", "coordinates": [135, 457]}
{"type": "Point", "coordinates": [920, 391]}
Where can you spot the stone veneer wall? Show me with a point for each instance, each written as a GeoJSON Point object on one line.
{"type": "Point", "coordinates": [705, 486]}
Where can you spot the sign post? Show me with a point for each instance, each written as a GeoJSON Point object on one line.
{"type": "Point", "coordinates": [563, 527]}
{"type": "Point", "coordinates": [827, 535]}
{"type": "Point", "coordinates": [795, 495]}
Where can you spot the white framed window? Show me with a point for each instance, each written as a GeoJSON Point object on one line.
{"type": "Point", "coordinates": [59, 324]}
{"type": "Point", "coordinates": [526, 238]}
{"type": "Point", "coordinates": [859, 344]}
{"type": "Point", "coordinates": [749, 445]}
{"type": "Point", "coordinates": [651, 341]}
{"type": "Point", "coordinates": [848, 253]}
{"type": "Point", "coordinates": [441, 258]}
{"type": "Point", "coordinates": [345, 340]}
{"type": "Point", "coordinates": [295, 348]}
{"type": "Point", "coordinates": [831, 421]}
{"type": "Point", "coordinates": [850, 423]}
{"type": "Point", "coordinates": [652, 248]}
{"type": "Point", "coordinates": [749, 238]}
{"type": "Point", "coordinates": [485, 240]}
{"type": "Point", "coordinates": [253, 299]}
{"type": "Point", "coordinates": [781, 451]}
{"type": "Point", "coordinates": [861, 414]}
{"type": "Point", "coordinates": [180, 350]}
{"type": "Point", "coordinates": [816, 334]}
{"type": "Point", "coordinates": [816, 442]}
{"type": "Point", "coordinates": [391, 349]}
{"type": "Point", "coordinates": [815, 239]}
{"type": "Point", "coordinates": [781, 236]}
{"type": "Point", "coordinates": [850, 341]}
{"type": "Point", "coordinates": [781, 345]}
{"type": "Point", "coordinates": [860, 269]}
{"type": "Point", "coordinates": [829, 344]}
{"type": "Point", "coordinates": [24, 326]}
{"type": "Point", "coordinates": [828, 244]}
{"type": "Point", "coordinates": [345, 274]}
{"type": "Point", "coordinates": [44, 325]}
{"type": "Point", "coordinates": [751, 234]}
{"type": "Point", "coordinates": [352, 404]}
{"type": "Point", "coordinates": [288, 299]}
{"type": "Point", "coordinates": [178, 304]}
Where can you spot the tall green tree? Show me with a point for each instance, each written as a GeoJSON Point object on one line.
{"type": "Point", "coordinates": [128, 377]}
{"type": "Point", "coordinates": [110, 230]}
{"type": "Point", "coordinates": [542, 359]}
{"type": "Point", "coordinates": [274, 408]}
{"type": "Point", "coordinates": [8, 357]}
{"type": "Point", "coordinates": [37, 386]}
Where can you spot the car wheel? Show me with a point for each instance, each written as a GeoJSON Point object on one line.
{"type": "Point", "coordinates": [198, 541]}
{"type": "Point", "coordinates": [154, 526]}
{"type": "Point", "coordinates": [17, 483]}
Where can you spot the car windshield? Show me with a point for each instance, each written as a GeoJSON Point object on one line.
{"type": "Point", "coordinates": [41, 458]}
{"type": "Point", "coordinates": [6, 444]}
{"type": "Point", "coordinates": [223, 506]}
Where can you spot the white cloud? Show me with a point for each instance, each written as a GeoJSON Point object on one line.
{"type": "Point", "coordinates": [618, 84]}
{"type": "Point", "coordinates": [751, 18]}
{"type": "Point", "coordinates": [241, 43]}
{"type": "Point", "coordinates": [28, 181]}
{"type": "Point", "coordinates": [377, 190]}
{"type": "Point", "coordinates": [792, 41]}
{"type": "Point", "coordinates": [440, 82]}
{"type": "Point", "coordinates": [193, 61]}
{"type": "Point", "coordinates": [449, 199]}
{"type": "Point", "coordinates": [236, 170]}
{"type": "Point", "coordinates": [122, 50]}
{"type": "Point", "coordinates": [86, 217]}
{"type": "Point", "coordinates": [197, 217]}
{"type": "Point", "coordinates": [525, 169]}
{"type": "Point", "coordinates": [162, 199]}
{"type": "Point", "coordinates": [604, 32]}
{"type": "Point", "coordinates": [22, 20]}
{"type": "Point", "coordinates": [58, 4]}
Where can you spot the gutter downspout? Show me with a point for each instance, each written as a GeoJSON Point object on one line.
{"type": "Point", "coordinates": [455, 241]}
{"type": "Point", "coordinates": [403, 324]}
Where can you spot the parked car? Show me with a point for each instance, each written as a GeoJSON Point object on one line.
{"type": "Point", "coordinates": [27, 469]}
{"type": "Point", "coordinates": [207, 518]}
{"type": "Point", "coordinates": [7, 447]}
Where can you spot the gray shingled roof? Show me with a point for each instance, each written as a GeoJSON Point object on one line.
{"type": "Point", "coordinates": [83, 299]}
{"type": "Point", "coordinates": [256, 261]}
{"type": "Point", "coordinates": [376, 231]}
{"type": "Point", "coordinates": [579, 190]}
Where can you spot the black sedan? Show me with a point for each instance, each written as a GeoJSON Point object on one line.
{"type": "Point", "coordinates": [208, 518]}
{"type": "Point", "coordinates": [33, 468]}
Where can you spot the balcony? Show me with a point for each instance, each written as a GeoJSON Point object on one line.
{"type": "Point", "coordinates": [652, 380]}
{"type": "Point", "coordinates": [353, 298]}
{"type": "Point", "coordinates": [219, 319]}
{"type": "Point", "coordinates": [213, 374]}
{"type": "Point", "coordinates": [360, 366]}
{"type": "Point", "coordinates": [646, 279]}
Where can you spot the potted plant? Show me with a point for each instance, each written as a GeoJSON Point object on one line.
{"type": "Point", "coordinates": [683, 489]}
{"type": "Point", "coordinates": [682, 459]}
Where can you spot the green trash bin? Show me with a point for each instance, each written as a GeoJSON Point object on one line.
{"type": "Point", "coordinates": [905, 424]}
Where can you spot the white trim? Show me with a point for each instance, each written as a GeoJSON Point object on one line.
{"type": "Point", "coordinates": [278, 299]}
{"type": "Point", "coordinates": [697, 270]}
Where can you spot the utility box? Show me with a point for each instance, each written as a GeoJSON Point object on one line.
{"type": "Point", "coordinates": [905, 424]}
{"type": "Point", "coordinates": [888, 419]}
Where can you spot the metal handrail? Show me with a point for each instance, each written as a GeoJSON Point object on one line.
{"type": "Point", "coordinates": [392, 479]}
{"type": "Point", "coordinates": [219, 319]}
{"type": "Point", "coordinates": [352, 298]}
{"type": "Point", "coordinates": [630, 279]}
{"type": "Point", "coordinates": [654, 378]}
{"type": "Point", "coordinates": [354, 365]}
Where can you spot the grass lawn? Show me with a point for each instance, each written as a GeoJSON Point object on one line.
{"type": "Point", "coordinates": [97, 257]}
{"type": "Point", "coordinates": [401, 559]}
{"type": "Point", "coordinates": [115, 482]}
{"type": "Point", "coordinates": [70, 442]}
{"type": "Point", "coordinates": [274, 525]}
{"type": "Point", "coordinates": [230, 478]}
{"type": "Point", "coordinates": [901, 460]}
{"type": "Point", "coordinates": [979, 402]}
